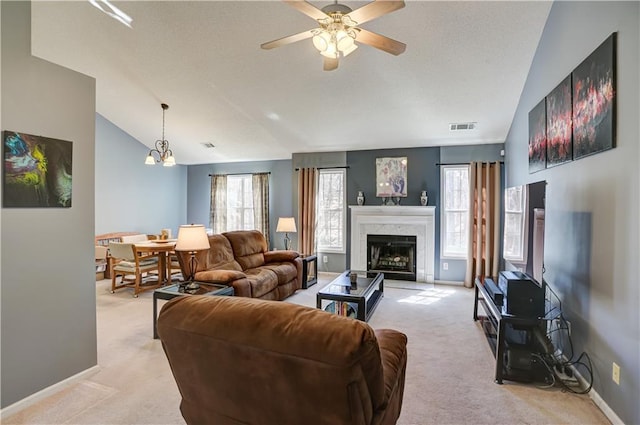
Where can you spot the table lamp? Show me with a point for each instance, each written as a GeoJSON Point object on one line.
{"type": "Point", "coordinates": [192, 238]}
{"type": "Point", "coordinates": [286, 225]}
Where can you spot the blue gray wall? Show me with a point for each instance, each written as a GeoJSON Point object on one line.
{"type": "Point", "coordinates": [132, 196]}
{"type": "Point", "coordinates": [422, 174]}
{"type": "Point", "coordinates": [592, 204]}
{"type": "Point", "coordinates": [280, 205]}
{"type": "Point", "coordinates": [47, 268]}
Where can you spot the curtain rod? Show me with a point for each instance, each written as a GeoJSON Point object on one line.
{"type": "Point", "coordinates": [464, 163]}
{"type": "Point", "coordinates": [327, 168]}
{"type": "Point", "coordinates": [238, 174]}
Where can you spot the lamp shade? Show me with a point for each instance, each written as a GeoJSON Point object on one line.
{"type": "Point", "coordinates": [286, 225]}
{"type": "Point", "coordinates": [321, 41]}
{"type": "Point", "coordinates": [192, 237]}
{"type": "Point", "coordinates": [169, 161]}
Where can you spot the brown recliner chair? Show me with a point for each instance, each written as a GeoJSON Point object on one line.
{"type": "Point", "coordinates": [250, 361]}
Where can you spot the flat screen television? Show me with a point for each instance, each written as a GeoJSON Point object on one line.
{"type": "Point", "coordinates": [523, 229]}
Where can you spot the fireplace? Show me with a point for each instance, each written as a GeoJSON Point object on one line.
{"type": "Point", "coordinates": [401, 220]}
{"type": "Point", "coordinates": [393, 255]}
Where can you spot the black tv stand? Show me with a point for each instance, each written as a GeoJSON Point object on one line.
{"type": "Point", "coordinates": [500, 327]}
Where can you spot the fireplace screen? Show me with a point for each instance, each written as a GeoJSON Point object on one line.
{"type": "Point", "coordinates": [393, 255]}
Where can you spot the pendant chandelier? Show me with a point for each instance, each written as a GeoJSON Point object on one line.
{"type": "Point", "coordinates": [161, 150]}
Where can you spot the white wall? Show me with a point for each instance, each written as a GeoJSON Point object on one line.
{"type": "Point", "coordinates": [48, 310]}
{"type": "Point", "coordinates": [132, 196]}
{"type": "Point", "coordinates": [592, 204]}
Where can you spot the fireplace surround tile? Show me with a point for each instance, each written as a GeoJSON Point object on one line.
{"type": "Point", "coordinates": [415, 221]}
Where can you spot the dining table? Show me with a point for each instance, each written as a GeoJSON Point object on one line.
{"type": "Point", "coordinates": [164, 248]}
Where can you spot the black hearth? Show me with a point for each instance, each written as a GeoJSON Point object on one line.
{"type": "Point", "coordinates": [393, 255]}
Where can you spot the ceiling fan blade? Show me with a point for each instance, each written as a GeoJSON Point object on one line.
{"type": "Point", "coordinates": [374, 10]}
{"type": "Point", "coordinates": [381, 42]}
{"type": "Point", "coordinates": [330, 64]}
{"type": "Point", "coordinates": [287, 40]}
{"type": "Point", "coordinates": [307, 8]}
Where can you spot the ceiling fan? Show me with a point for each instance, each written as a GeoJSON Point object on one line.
{"type": "Point", "coordinates": [339, 29]}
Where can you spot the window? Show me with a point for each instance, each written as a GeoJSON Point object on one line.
{"type": "Point", "coordinates": [515, 201]}
{"type": "Point", "coordinates": [330, 213]}
{"type": "Point", "coordinates": [455, 212]}
{"type": "Point", "coordinates": [239, 202]}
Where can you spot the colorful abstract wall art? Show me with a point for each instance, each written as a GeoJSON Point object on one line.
{"type": "Point", "coordinates": [391, 177]}
{"type": "Point", "coordinates": [559, 136]}
{"type": "Point", "coordinates": [579, 114]}
{"type": "Point", "coordinates": [37, 171]}
{"type": "Point", "coordinates": [537, 137]}
{"type": "Point", "coordinates": [594, 90]}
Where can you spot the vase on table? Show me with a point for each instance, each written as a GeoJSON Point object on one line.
{"type": "Point", "coordinates": [360, 198]}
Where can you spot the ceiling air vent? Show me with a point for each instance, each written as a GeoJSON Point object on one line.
{"type": "Point", "coordinates": [462, 126]}
{"type": "Point", "coordinates": [209, 145]}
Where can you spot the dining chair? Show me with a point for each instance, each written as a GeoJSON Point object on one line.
{"type": "Point", "coordinates": [127, 261]}
{"type": "Point", "coordinates": [135, 238]}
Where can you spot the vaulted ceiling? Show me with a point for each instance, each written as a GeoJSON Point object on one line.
{"type": "Point", "coordinates": [464, 62]}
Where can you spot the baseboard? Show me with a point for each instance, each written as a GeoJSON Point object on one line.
{"type": "Point", "coordinates": [331, 275]}
{"type": "Point", "coordinates": [593, 394]}
{"type": "Point", "coordinates": [46, 392]}
{"type": "Point", "coordinates": [602, 405]}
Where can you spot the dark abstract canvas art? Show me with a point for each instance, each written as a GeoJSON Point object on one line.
{"type": "Point", "coordinates": [537, 137]}
{"type": "Point", "coordinates": [559, 146]}
{"type": "Point", "coordinates": [594, 92]}
{"type": "Point", "coordinates": [37, 171]}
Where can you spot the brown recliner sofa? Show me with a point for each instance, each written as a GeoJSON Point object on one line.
{"type": "Point", "coordinates": [241, 259]}
{"type": "Point", "coordinates": [248, 361]}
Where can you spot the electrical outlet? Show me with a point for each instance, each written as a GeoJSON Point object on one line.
{"type": "Point", "coordinates": [325, 259]}
{"type": "Point", "coordinates": [445, 266]}
{"type": "Point", "coordinates": [616, 373]}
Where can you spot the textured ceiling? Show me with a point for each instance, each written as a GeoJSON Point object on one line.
{"type": "Point", "coordinates": [465, 61]}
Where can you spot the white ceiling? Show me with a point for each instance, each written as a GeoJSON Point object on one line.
{"type": "Point", "coordinates": [465, 61]}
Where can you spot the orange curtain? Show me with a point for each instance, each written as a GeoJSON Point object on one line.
{"type": "Point", "coordinates": [307, 210]}
{"type": "Point", "coordinates": [484, 221]}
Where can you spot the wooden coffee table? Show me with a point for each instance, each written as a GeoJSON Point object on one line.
{"type": "Point", "coordinates": [363, 299]}
{"type": "Point", "coordinates": [178, 290]}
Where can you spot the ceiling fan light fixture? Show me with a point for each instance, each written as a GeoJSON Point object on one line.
{"type": "Point", "coordinates": [339, 29]}
{"type": "Point", "coordinates": [322, 40]}
{"type": "Point", "coordinates": [330, 55]}
{"type": "Point", "coordinates": [349, 50]}
{"type": "Point", "coordinates": [343, 40]}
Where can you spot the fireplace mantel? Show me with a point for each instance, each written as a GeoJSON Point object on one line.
{"type": "Point", "coordinates": [416, 221]}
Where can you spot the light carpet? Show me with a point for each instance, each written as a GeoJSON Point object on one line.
{"type": "Point", "coordinates": [449, 376]}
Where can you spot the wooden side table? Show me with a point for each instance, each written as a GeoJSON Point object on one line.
{"type": "Point", "coordinates": [309, 264]}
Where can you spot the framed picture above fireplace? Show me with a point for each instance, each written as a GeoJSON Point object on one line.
{"type": "Point", "coordinates": [391, 177]}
